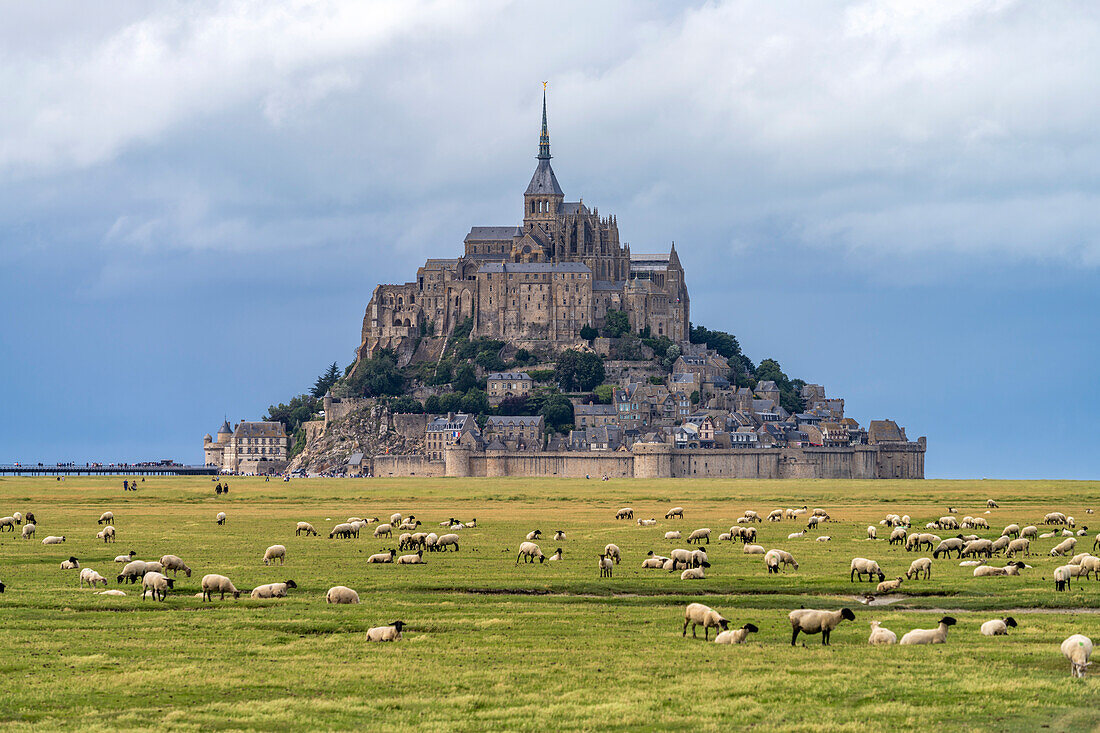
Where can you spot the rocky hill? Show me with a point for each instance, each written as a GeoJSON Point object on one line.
{"type": "Point", "coordinates": [368, 429]}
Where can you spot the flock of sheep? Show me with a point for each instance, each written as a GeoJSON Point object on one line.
{"type": "Point", "coordinates": [692, 563]}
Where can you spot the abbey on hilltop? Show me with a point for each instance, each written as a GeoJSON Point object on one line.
{"type": "Point", "coordinates": [535, 285]}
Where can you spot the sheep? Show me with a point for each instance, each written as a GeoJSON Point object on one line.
{"type": "Point", "coordinates": [653, 562]}
{"type": "Point", "coordinates": [220, 518]}
{"type": "Point", "coordinates": [341, 594]}
{"type": "Point", "coordinates": [529, 551]}
{"type": "Point", "coordinates": [647, 522]}
{"type": "Point", "coordinates": [725, 537]}
{"type": "Point", "coordinates": [862, 566]}
{"type": "Point", "coordinates": [17, 517]}
{"type": "Point", "coordinates": [556, 556]}
{"type": "Point", "coordinates": [559, 536]}
{"type": "Point", "coordinates": [812, 522]}
{"type": "Point", "coordinates": [698, 557]}
{"type": "Point", "coordinates": [1077, 649]}
{"type": "Point", "coordinates": [53, 540]}
{"type": "Point", "coordinates": [1001, 543]}
{"type": "Point", "coordinates": [383, 530]}
{"type": "Point", "coordinates": [977, 547]}
{"type": "Point", "coordinates": [992, 504]}
{"type": "Point", "coordinates": [676, 511]}
{"type": "Point", "coordinates": [419, 539]}
{"type": "Point", "coordinates": [175, 564]}
{"type": "Point", "coordinates": [774, 558]}
{"type": "Point", "coordinates": [1054, 518]}
{"type": "Point", "coordinates": [1012, 530]}
{"type": "Point", "coordinates": [343, 530]}
{"type": "Point", "coordinates": [991, 571]}
{"type": "Point", "coordinates": [1091, 565]}
{"type": "Point", "coordinates": [921, 564]}
{"type": "Point", "coordinates": [71, 564]}
{"type": "Point", "coordinates": [1071, 522]}
{"type": "Point", "coordinates": [91, 577]}
{"type": "Point", "coordinates": [695, 573]}
{"type": "Point", "coordinates": [951, 544]}
{"type": "Point", "coordinates": [7, 523]}
{"type": "Point", "coordinates": [947, 522]}
{"type": "Point", "coordinates": [1064, 547]}
{"type": "Point", "coordinates": [823, 538]}
{"type": "Point", "coordinates": [820, 513]}
{"type": "Point", "coordinates": [872, 532]}
{"type": "Point", "coordinates": [409, 523]}
{"type": "Point", "coordinates": [926, 538]}
{"type": "Point", "coordinates": [897, 537]}
{"type": "Point", "coordinates": [126, 558]}
{"type": "Point", "coordinates": [154, 567]}
{"type": "Point", "coordinates": [445, 541]}
{"type": "Point", "coordinates": [735, 636]}
{"type": "Point", "coordinates": [673, 535]}
{"type": "Point", "coordinates": [534, 534]}
{"type": "Point", "coordinates": [1061, 578]}
{"type": "Point", "coordinates": [748, 534]}
{"type": "Point", "coordinates": [881, 636]}
{"type": "Point", "coordinates": [1076, 560]}
{"type": "Point", "coordinates": [131, 571]}
{"type": "Point", "coordinates": [753, 550]}
{"type": "Point", "coordinates": [156, 583]}
{"type": "Point", "coordinates": [697, 615]}
{"type": "Point", "coordinates": [272, 590]}
{"type": "Point", "coordinates": [212, 584]}
{"type": "Point", "coordinates": [306, 528]}
{"type": "Point", "coordinates": [417, 559]}
{"type": "Point", "coordinates": [612, 551]}
{"type": "Point", "coordinates": [1021, 544]}
{"type": "Point", "coordinates": [796, 535]}
{"type": "Point", "coordinates": [1046, 535]}
{"type": "Point", "coordinates": [776, 515]}
{"type": "Point", "coordinates": [699, 535]}
{"type": "Point", "coordinates": [386, 633]}
{"type": "Point", "coordinates": [605, 565]}
{"type": "Point", "coordinates": [937, 635]}
{"type": "Point", "coordinates": [107, 534]}
{"type": "Point", "coordinates": [625, 513]}
{"type": "Point", "coordinates": [404, 541]}
{"type": "Point", "coordinates": [1096, 541]}
{"type": "Point", "coordinates": [273, 553]}
{"type": "Point", "coordinates": [28, 531]}
{"type": "Point", "coordinates": [111, 593]}
{"type": "Point", "coordinates": [889, 586]}
{"type": "Point", "coordinates": [431, 542]}
{"type": "Point", "coordinates": [998, 626]}
{"type": "Point", "coordinates": [395, 519]}
{"type": "Point", "coordinates": [810, 621]}
{"type": "Point", "coordinates": [1030, 531]}
{"type": "Point", "coordinates": [382, 557]}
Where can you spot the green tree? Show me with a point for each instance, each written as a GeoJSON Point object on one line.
{"type": "Point", "coordinates": [628, 348]}
{"type": "Point", "coordinates": [450, 402]}
{"type": "Point", "coordinates": [579, 371]}
{"type": "Point", "coordinates": [589, 334]}
{"type": "Point", "coordinates": [432, 405]}
{"type": "Point", "coordinates": [604, 393]}
{"type": "Point", "coordinates": [695, 397]}
{"type": "Point", "coordinates": [407, 405]}
{"type": "Point", "coordinates": [325, 381]}
{"type": "Point", "coordinates": [523, 356]}
{"type": "Point", "coordinates": [475, 402]}
{"type": "Point", "coordinates": [378, 377]}
{"type": "Point", "coordinates": [557, 412]}
{"type": "Point", "coordinates": [292, 415]}
{"type": "Point", "coordinates": [465, 378]}
{"type": "Point", "coordinates": [617, 323]}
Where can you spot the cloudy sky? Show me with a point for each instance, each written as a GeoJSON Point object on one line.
{"type": "Point", "coordinates": [896, 199]}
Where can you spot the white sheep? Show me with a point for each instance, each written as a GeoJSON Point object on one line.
{"type": "Point", "coordinates": [111, 593]}
{"type": "Point", "coordinates": [417, 559]}
{"type": "Point", "coordinates": [305, 528]}
{"type": "Point", "coordinates": [699, 535]}
{"type": "Point", "coordinates": [556, 556]}
{"type": "Point", "coordinates": [386, 633]}
{"type": "Point", "coordinates": [175, 564]}
{"type": "Point", "coordinates": [445, 541]}
{"type": "Point", "coordinates": [534, 534]}
{"type": "Point", "coordinates": [612, 551]}
{"type": "Point", "coordinates": [889, 586]}
{"type": "Point", "coordinates": [697, 615]}
{"type": "Point", "coordinates": [28, 530]}
{"type": "Point", "coordinates": [673, 535]}
{"type": "Point", "coordinates": [212, 584]}
{"type": "Point", "coordinates": [991, 571]}
{"type": "Point", "coordinates": [1012, 530]}
{"type": "Point", "coordinates": [898, 535]}
{"type": "Point", "coordinates": [754, 550]}
{"type": "Point", "coordinates": [775, 515]}
{"type": "Point", "coordinates": [881, 636]}
{"type": "Point", "coordinates": [810, 621]}
{"type": "Point", "coordinates": [625, 513]}
{"type": "Point", "coordinates": [529, 551]}
{"type": "Point", "coordinates": [107, 534]}
{"type": "Point", "coordinates": [1030, 531]}
{"type": "Point", "coordinates": [1064, 547]}
{"type": "Point", "coordinates": [1020, 544]}
{"type": "Point", "coordinates": [125, 558]}
{"type": "Point", "coordinates": [17, 517]}
{"type": "Point", "coordinates": [872, 532]}
{"type": "Point", "coordinates": [156, 583]}
{"type": "Point", "coordinates": [774, 558]}
{"type": "Point", "coordinates": [382, 557]}
{"type": "Point", "coordinates": [273, 553]}
{"type": "Point", "coordinates": [341, 594]}
{"type": "Point", "coordinates": [998, 626]}
{"type": "Point", "coordinates": [694, 573]}
{"type": "Point", "coordinates": [383, 530]}
{"type": "Point", "coordinates": [106, 518]}
{"type": "Point", "coordinates": [654, 561]}
{"type": "Point", "coordinates": [220, 519]}
{"type": "Point", "coordinates": [395, 519]}
{"type": "Point", "coordinates": [53, 540]}
{"type": "Point", "coordinates": [559, 536]}
{"type": "Point", "coordinates": [937, 635]}
{"type": "Point", "coordinates": [1077, 649]}
{"type": "Point", "coordinates": [154, 567]}
{"type": "Point", "coordinates": [647, 522]}
{"type": "Point", "coordinates": [71, 564]}
{"type": "Point", "coordinates": [605, 565]}
{"type": "Point", "coordinates": [823, 538]}
{"type": "Point", "coordinates": [91, 577]}
{"type": "Point", "coordinates": [862, 566]}
{"type": "Point", "coordinates": [921, 564]}
{"type": "Point", "coordinates": [7, 523]}
{"type": "Point", "coordinates": [1091, 565]}
{"type": "Point", "coordinates": [736, 636]}
{"type": "Point", "coordinates": [796, 535]}
{"type": "Point", "coordinates": [272, 590]}
{"type": "Point", "coordinates": [676, 511]}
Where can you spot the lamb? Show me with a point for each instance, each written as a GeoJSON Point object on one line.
{"type": "Point", "coordinates": [71, 564]}
{"type": "Point", "coordinates": [212, 584]}
{"type": "Point", "coordinates": [447, 540]}
{"type": "Point", "coordinates": [383, 530]}
{"type": "Point", "coordinates": [556, 556]}
{"type": "Point", "coordinates": [823, 538]}
{"type": "Point", "coordinates": [28, 531]}
{"type": "Point", "coordinates": [272, 590]}
{"type": "Point", "coordinates": [625, 513]}
{"type": "Point", "coordinates": [872, 532]}
{"type": "Point", "coordinates": [881, 636]}
{"type": "Point", "coordinates": [221, 518]}
{"type": "Point", "coordinates": [998, 626]}
{"type": "Point", "coordinates": [1064, 547]}
{"type": "Point", "coordinates": [796, 535]}
{"type": "Point", "coordinates": [386, 633]}
{"type": "Point", "coordinates": [776, 515]}
{"type": "Point", "coordinates": [612, 551]}
{"type": "Point", "coordinates": [382, 557]}
{"type": "Point", "coordinates": [53, 540]}
{"type": "Point", "coordinates": [273, 553]}
{"type": "Point", "coordinates": [647, 522]}
{"type": "Point", "coordinates": [535, 534]}
{"type": "Point", "coordinates": [725, 537]}
{"type": "Point", "coordinates": [810, 621]}
{"type": "Point", "coordinates": [735, 636]}
{"type": "Point", "coordinates": [559, 536]}
{"type": "Point", "coordinates": [753, 550]}
{"type": "Point", "coordinates": [889, 586]}
{"type": "Point", "coordinates": [111, 593]}
{"type": "Point", "coordinates": [1021, 544]}
{"type": "Point", "coordinates": [1077, 649]}
{"type": "Point", "coordinates": [417, 559]}
{"type": "Point", "coordinates": [673, 535]}
{"type": "Point", "coordinates": [107, 534]}
{"type": "Point", "coordinates": [306, 528]}
{"type": "Point", "coordinates": [409, 523]}
{"type": "Point", "coordinates": [699, 535]}
{"type": "Point", "coordinates": [157, 584]}
{"type": "Point", "coordinates": [131, 571]}
{"type": "Point", "coordinates": [91, 577]}
{"type": "Point", "coordinates": [862, 566]}
{"type": "Point", "coordinates": [529, 551]}
{"type": "Point", "coordinates": [605, 565]}
{"type": "Point", "coordinates": [697, 615]}
{"type": "Point", "coordinates": [341, 594]}
{"type": "Point", "coordinates": [898, 535]}
{"type": "Point", "coordinates": [676, 511]}
{"type": "Point", "coordinates": [343, 530]}
{"type": "Point", "coordinates": [921, 564]}
{"type": "Point", "coordinates": [653, 562]}
{"type": "Point", "coordinates": [125, 558]}
{"type": "Point", "coordinates": [990, 571]}
{"type": "Point", "coordinates": [820, 513]}
{"type": "Point", "coordinates": [980, 523]}
{"type": "Point", "coordinates": [937, 635]}
{"type": "Point", "coordinates": [695, 573]}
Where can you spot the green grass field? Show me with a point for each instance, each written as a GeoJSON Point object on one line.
{"type": "Point", "coordinates": [491, 645]}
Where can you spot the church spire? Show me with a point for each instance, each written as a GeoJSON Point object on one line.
{"type": "Point", "coordinates": [544, 138]}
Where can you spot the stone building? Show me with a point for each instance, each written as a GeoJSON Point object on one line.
{"type": "Point", "coordinates": [250, 447]}
{"type": "Point", "coordinates": [516, 432]}
{"type": "Point", "coordinates": [535, 285]}
{"type": "Point", "coordinates": [502, 385]}
{"type": "Point", "coordinates": [446, 431]}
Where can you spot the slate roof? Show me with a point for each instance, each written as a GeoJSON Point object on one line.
{"type": "Point", "coordinates": [510, 376]}
{"type": "Point", "coordinates": [493, 234]}
{"type": "Point", "coordinates": [260, 430]}
{"type": "Point", "coordinates": [225, 427]}
{"type": "Point", "coordinates": [500, 421]}
{"type": "Point", "coordinates": [572, 207]}
{"type": "Point", "coordinates": [544, 181]}
{"type": "Point", "coordinates": [535, 267]}
{"type": "Point", "coordinates": [608, 285]}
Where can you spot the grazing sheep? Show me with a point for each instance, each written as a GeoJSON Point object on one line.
{"type": "Point", "coordinates": [699, 535]}
{"type": "Point", "coordinates": [273, 553]}
{"type": "Point", "coordinates": [221, 518]}
{"type": "Point", "coordinates": [947, 523]}
{"type": "Point", "coordinates": [754, 550]}
{"type": "Point", "coordinates": [697, 615]}
{"type": "Point", "coordinates": [529, 551]}
{"type": "Point", "coordinates": [735, 636]}
{"type": "Point", "coordinates": [1012, 530]}
{"type": "Point", "coordinates": [154, 567]}
{"type": "Point", "coordinates": [776, 515]}
{"type": "Point", "coordinates": [812, 522]}
{"type": "Point", "coordinates": [383, 530]}
{"type": "Point", "coordinates": [132, 571]}
{"type": "Point", "coordinates": [748, 534]}
{"type": "Point", "coordinates": [774, 558]}
{"type": "Point", "coordinates": [695, 573]}
{"type": "Point", "coordinates": [698, 557]}
{"type": "Point", "coordinates": [107, 534]}
{"type": "Point", "coordinates": [625, 513]}
{"type": "Point", "coordinates": [28, 531]}
{"type": "Point", "coordinates": [1001, 543]}
{"type": "Point", "coordinates": [992, 504]}
{"type": "Point", "coordinates": [556, 556]}
{"type": "Point", "coordinates": [1062, 577]}
{"type": "Point", "coordinates": [862, 566]}
{"type": "Point", "coordinates": [889, 586]}
{"type": "Point", "coordinates": [17, 517]}
{"type": "Point", "coordinates": [386, 633]}
{"type": "Point", "coordinates": [872, 532]}
{"type": "Point", "coordinates": [605, 565]}
{"type": "Point", "coordinates": [921, 564]}
{"type": "Point", "coordinates": [559, 536]}
{"type": "Point", "coordinates": [810, 621]}
{"type": "Point", "coordinates": [676, 511]}
{"type": "Point", "coordinates": [52, 540]}
{"type": "Point", "coordinates": [344, 530]}
{"type": "Point", "coordinates": [306, 528]}
{"type": "Point", "coordinates": [382, 557]}
{"type": "Point", "coordinates": [612, 551]}
{"type": "Point", "coordinates": [977, 548]}
{"type": "Point", "coordinates": [1030, 531]}
{"type": "Point", "coordinates": [1054, 518]}
{"type": "Point", "coordinates": [157, 584]}
{"type": "Point", "coordinates": [175, 564]}
{"type": "Point", "coordinates": [91, 577]}
{"type": "Point", "coordinates": [341, 594]}
{"type": "Point", "coordinates": [1091, 565]}
{"type": "Point", "coordinates": [106, 518]}
{"type": "Point", "coordinates": [272, 590]}
{"type": "Point", "coordinates": [431, 542]}
{"type": "Point", "coordinates": [404, 541]}
{"type": "Point", "coordinates": [823, 538]}
{"type": "Point", "coordinates": [951, 544]}
{"type": "Point", "coordinates": [881, 636]}
{"type": "Point", "coordinates": [998, 626]}
{"type": "Point", "coordinates": [535, 534]}
{"type": "Point", "coordinates": [1064, 547]}
{"type": "Point", "coordinates": [212, 584]}
{"type": "Point", "coordinates": [1021, 544]}
{"type": "Point", "coordinates": [7, 523]}
{"type": "Point", "coordinates": [71, 564]}
{"type": "Point", "coordinates": [673, 535]}
{"type": "Point", "coordinates": [1077, 649]}
{"type": "Point", "coordinates": [445, 541]}
{"type": "Point", "coordinates": [898, 535]}
{"type": "Point", "coordinates": [395, 519]}
{"type": "Point", "coordinates": [647, 522]}
{"type": "Point", "coordinates": [417, 559]}
{"type": "Point", "coordinates": [937, 635]}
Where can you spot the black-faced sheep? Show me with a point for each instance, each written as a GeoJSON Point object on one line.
{"type": "Point", "coordinates": [937, 635]}
{"type": "Point", "coordinates": [810, 621]}
{"type": "Point", "coordinates": [697, 615]}
{"type": "Point", "coordinates": [998, 626]}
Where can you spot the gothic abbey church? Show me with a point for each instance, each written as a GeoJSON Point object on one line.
{"type": "Point", "coordinates": [535, 285]}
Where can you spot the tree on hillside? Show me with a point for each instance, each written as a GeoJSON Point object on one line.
{"type": "Point", "coordinates": [325, 381]}
{"type": "Point", "coordinates": [557, 412]}
{"type": "Point", "coordinates": [579, 371]}
{"type": "Point", "coordinates": [378, 377]}
{"type": "Point", "coordinates": [617, 323]}
{"type": "Point", "coordinates": [292, 415]}
{"type": "Point", "coordinates": [588, 333]}
{"type": "Point", "coordinates": [465, 378]}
